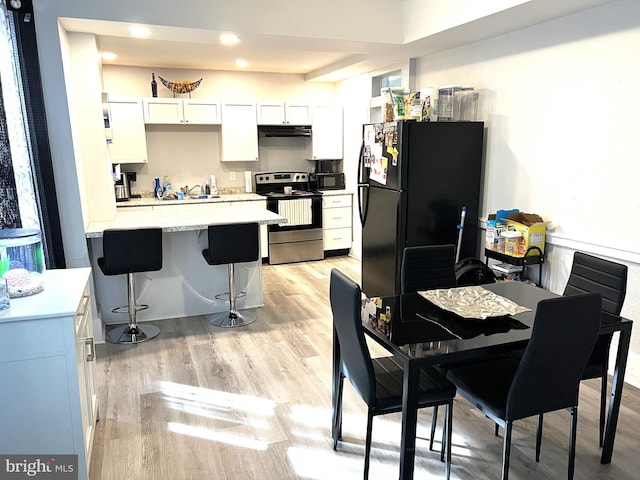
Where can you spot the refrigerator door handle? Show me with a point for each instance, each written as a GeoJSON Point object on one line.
{"type": "Point", "coordinates": [363, 188]}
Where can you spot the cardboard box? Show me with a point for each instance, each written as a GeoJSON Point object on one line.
{"type": "Point", "coordinates": [493, 240]}
{"type": "Point", "coordinates": [533, 230]}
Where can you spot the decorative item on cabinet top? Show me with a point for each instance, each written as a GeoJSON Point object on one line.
{"type": "Point", "coordinates": [184, 86]}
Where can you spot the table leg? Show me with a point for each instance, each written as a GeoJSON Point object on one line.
{"type": "Point", "coordinates": [409, 420]}
{"type": "Point", "coordinates": [616, 393]}
{"type": "Point", "coordinates": [336, 401]}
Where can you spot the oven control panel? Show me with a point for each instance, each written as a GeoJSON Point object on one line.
{"type": "Point", "coordinates": [281, 177]}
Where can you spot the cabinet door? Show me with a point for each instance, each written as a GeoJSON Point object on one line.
{"type": "Point", "coordinates": [201, 112]}
{"type": "Point", "coordinates": [239, 132]}
{"type": "Point", "coordinates": [128, 143]}
{"type": "Point", "coordinates": [163, 110]}
{"type": "Point", "coordinates": [327, 132]}
{"type": "Point", "coordinates": [85, 362]}
{"type": "Point", "coordinates": [297, 114]}
{"type": "Point", "coordinates": [271, 113]}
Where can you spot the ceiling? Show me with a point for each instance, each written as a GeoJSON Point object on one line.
{"type": "Point", "coordinates": [315, 55]}
{"type": "Point", "coordinates": [176, 47]}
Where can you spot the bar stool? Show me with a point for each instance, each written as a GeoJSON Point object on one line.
{"type": "Point", "coordinates": [127, 252]}
{"type": "Point", "coordinates": [230, 244]}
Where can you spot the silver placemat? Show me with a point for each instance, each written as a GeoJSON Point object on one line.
{"type": "Point", "coordinates": [472, 302]}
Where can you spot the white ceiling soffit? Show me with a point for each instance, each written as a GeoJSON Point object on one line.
{"type": "Point", "coordinates": [327, 59]}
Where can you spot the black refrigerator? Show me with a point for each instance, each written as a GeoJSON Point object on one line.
{"type": "Point", "coordinates": [414, 178]}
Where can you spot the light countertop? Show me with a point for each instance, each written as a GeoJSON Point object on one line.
{"type": "Point", "coordinates": [62, 292]}
{"type": "Point", "coordinates": [180, 219]}
{"type": "Point", "coordinates": [225, 197]}
{"type": "Point", "coordinates": [327, 193]}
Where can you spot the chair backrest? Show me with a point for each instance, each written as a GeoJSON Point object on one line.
{"type": "Point", "coordinates": [548, 377]}
{"type": "Point", "coordinates": [593, 274]}
{"type": "Point", "coordinates": [428, 267]}
{"type": "Point", "coordinates": [131, 250]}
{"type": "Point", "coordinates": [355, 358]}
{"type": "Point", "coordinates": [233, 243]}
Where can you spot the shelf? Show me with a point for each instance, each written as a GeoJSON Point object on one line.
{"type": "Point", "coordinates": [520, 261]}
{"type": "Point", "coordinates": [525, 261]}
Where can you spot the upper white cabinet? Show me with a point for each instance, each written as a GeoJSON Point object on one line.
{"type": "Point", "coordinates": [127, 141]}
{"type": "Point", "coordinates": [326, 134]}
{"type": "Point", "coordinates": [239, 132]}
{"type": "Point", "coordinates": [181, 111]}
{"type": "Point", "coordinates": [281, 113]}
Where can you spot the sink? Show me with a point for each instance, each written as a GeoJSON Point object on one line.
{"type": "Point", "coordinates": [203, 197]}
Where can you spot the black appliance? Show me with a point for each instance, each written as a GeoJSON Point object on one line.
{"type": "Point", "coordinates": [284, 131]}
{"type": "Point", "coordinates": [327, 181]}
{"type": "Point", "coordinates": [289, 195]}
{"type": "Point", "coordinates": [413, 180]}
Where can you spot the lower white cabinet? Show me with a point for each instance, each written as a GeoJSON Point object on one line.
{"type": "Point", "coordinates": [48, 394]}
{"type": "Point", "coordinates": [337, 218]}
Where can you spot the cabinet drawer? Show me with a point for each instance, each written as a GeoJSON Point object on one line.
{"type": "Point", "coordinates": [336, 201]}
{"type": "Point", "coordinates": [337, 238]}
{"type": "Point", "coordinates": [31, 339]}
{"type": "Point", "coordinates": [336, 217]}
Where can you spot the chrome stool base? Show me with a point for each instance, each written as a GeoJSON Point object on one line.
{"type": "Point", "coordinates": [127, 334]}
{"type": "Point", "coordinates": [232, 319]}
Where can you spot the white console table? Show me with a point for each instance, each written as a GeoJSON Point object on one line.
{"type": "Point", "coordinates": [48, 395]}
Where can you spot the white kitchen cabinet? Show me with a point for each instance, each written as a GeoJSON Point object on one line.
{"type": "Point", "coordinates": [337, 222]}
{"type": "Point", "coordinates": [47, 370]}
{"type": "Point", "coordinates": [326, 127]}
{"type": "Point", "coordinates": [239, 132]}
{"type": "Point", "coordinates": [126, 138]}
{"type": "Point", "coordinates": [281, 113]}
{"type": "Point", "coordinates": [181, 111]}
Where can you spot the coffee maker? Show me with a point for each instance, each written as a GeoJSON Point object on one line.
{"type": "Point", "coordinates": [123, 186]}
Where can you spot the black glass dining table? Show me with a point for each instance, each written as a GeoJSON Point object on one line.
{"type": "Point", "coordinates": [419, 333]}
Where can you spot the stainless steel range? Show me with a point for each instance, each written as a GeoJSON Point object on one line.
{"type": "Point", "coordinates": [289, 195]}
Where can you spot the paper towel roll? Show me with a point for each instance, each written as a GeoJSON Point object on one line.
{"type": "Point", "coordinates": [213, 185]}
{"type": "Point", "coordinates": [247, 181]}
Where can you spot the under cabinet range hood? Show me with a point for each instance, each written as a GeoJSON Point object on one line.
{"type": "Point", "coordinates": [284, 131]}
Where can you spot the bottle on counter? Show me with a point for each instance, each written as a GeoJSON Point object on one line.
{"type": "Point", "coordinates": [154, 85]}
{"type": "Point", "coordinates": [166, 185]}
{"type": "Point", "coordinates": [158, 188]}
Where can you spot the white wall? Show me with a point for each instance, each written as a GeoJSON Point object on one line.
{"type": "Point", "coordinates": [560, 109]}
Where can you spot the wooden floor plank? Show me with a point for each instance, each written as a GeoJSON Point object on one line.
{"type": "Point", "coordinates": [202, 402]}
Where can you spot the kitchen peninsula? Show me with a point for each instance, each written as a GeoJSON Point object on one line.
{"type": "Point", "coordinates": [186, 285]}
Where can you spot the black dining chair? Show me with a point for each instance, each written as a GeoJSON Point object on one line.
{"type": "Point", "coordinates": [609, 279]}
{"type": "Point", "coordinates": [427, 267]}
{"type": "Point", "coordinates": [546, 379]}
{"type": "Point", "coordinates": [590, 274]}
{"type": "Point", "coordinates": [378, 381]}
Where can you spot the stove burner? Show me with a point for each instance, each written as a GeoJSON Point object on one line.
{"type": "Point", "coordinates": [295, 193]}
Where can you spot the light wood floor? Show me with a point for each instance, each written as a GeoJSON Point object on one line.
{"type": "Point", "coordinates": [202, 402]}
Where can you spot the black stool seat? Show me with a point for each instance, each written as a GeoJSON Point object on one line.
{"type": "Point", "coordinates": [129, 251]}
{"type": "Point", "coordinates": [230, 244]}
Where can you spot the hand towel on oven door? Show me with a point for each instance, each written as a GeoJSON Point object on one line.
{"type": "Point", "coordinates": [297, 211]}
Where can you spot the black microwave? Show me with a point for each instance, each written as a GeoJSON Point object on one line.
{"type": "Point", "coordinates": [327, 181]}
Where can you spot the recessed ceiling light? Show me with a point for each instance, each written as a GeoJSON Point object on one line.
{"type": "Point", "coordinates": [140, 31]}
{"type": "Point", "coordinates": [229, 39]}
{"type": "Point", "coordinates": [242, 63]}
{"type": "Point", "coordinates": [108, 56]}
